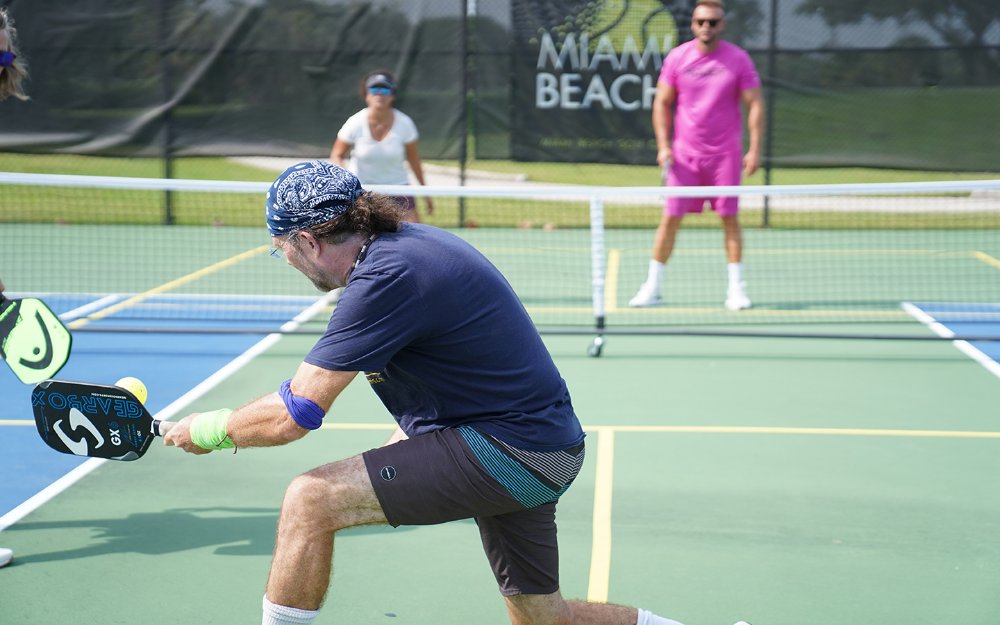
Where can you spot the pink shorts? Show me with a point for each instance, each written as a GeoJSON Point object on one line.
{"type": "Point", "coordinates": [703, 170]}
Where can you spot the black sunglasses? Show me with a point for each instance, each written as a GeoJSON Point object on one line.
{"type": "Point", "coordinates": [712, 23]}
{"type": "Point", "coordinates": [7, 58]}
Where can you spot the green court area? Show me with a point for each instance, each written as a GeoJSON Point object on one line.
{"type": "Point", "coordinates": [781, 482]}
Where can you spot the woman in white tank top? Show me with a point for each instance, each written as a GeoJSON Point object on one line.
{"type": "Point", "coordinates": [374, 142]}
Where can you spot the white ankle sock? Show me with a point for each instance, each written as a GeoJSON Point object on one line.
{"type": "Point", "coordinates": [648, 618]}
{"type": "Point", "coordinates": [735, 273]}
{"type": "Point", "coordinates": [655, 273]}
{"type": "Point", "coordinates": [275, 614]}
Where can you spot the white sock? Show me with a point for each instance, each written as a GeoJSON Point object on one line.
{"type": "Point", "coordinates": [735, 273]}
{"type": "Point", "coordinates": [275, 614]}
{"type": "Point", "coordinates": [648, 618]}
{"type": "Point", "coordinates": [655, 273]}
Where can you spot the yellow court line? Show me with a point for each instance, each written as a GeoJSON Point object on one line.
{"type": "Point", "coordinates": [325, 426]}
{"type": "Point", "coordinates": [693, 429]}
{"type": "Point", "coordinates": [738, 429]}
{"type": "Point", "coordinates": [721, 313]}
{"type": "Point", "coordinates": [168, 286]}
{"type": "Point", "coordinates": [611, 280]}
{"type": "Point", "coordinates": [538, 310]}
{"type": "Point", "coordinates": [986, 258]}
{"type": "Point", "coordinates": [358, 426]}
{"type": "Point", "coordinates": [779, 251]}
{"type": "Point", "coordinates": [600, 550]}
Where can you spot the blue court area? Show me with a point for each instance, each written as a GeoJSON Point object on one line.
{"type": "Point", "coordinates": [171, 364]}
{"type": "Point", "coordinates": [964, 320]}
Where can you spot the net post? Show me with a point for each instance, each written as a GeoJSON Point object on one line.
{"type": "Point", "coordinates": [597, 269]}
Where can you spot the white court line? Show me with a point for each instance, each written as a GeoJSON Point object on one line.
{"type": "Point", "coordinates": [86, 309]}
{"type": "Point", "coordinates": [75, 475]}
{"type": "Point", "coordinates": [963, 346]}
{"type": "Point", "coordinates": [79, 311]}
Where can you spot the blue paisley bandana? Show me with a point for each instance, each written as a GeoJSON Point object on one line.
{"type": "Point", "coordinates": [307, 194]}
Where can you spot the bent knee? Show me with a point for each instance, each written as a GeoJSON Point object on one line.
{"type": "Point", "coordinates": [314, 502]}
{"type": "Point", "coordinates": [331, 498]}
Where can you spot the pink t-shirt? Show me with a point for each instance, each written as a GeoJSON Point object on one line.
{"type": "Point", "coordinates": [707, 117]}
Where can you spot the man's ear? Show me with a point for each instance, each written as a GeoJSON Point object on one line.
{"type": "Point", "coordinates": [307, 242]}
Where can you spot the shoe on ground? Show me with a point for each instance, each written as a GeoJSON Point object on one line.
{"type": "Point", "coordinates": [6, 555]}
{"type": "Point", "coordinates": [648, 295]}
{"type": "Point", "coordinates": [736, 298]}
{"type": "Point", "coordinates": [741, 623]}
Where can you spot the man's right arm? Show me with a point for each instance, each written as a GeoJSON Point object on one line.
{"type": "Point", "coordinates": [663, 121]}
{"type": "Point", "coordinates": [265, 422]}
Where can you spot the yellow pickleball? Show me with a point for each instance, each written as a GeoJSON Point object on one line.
{"type": "Point", "coordinates": [134, 386]}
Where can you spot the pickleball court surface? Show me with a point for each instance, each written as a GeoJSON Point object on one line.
{"type": "Point", "coordinates": [780, 481]}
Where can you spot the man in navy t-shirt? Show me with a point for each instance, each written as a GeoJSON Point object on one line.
{"type": "Point", "coordinates": [486, 427]}
{"type": "Point", "coordinates": [445, 342]}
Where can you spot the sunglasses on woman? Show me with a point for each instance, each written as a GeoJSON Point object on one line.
{"type": "Point", "coordinates": [7, 58]}
{"type": "Point", "coordinates": [379, 90]}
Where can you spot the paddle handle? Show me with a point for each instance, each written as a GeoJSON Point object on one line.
{"type": "Point", "coordinates": [160, 428]}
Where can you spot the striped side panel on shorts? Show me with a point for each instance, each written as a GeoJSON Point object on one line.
{"type": "Point", "coordinates": [519, 480]}
{"type": "Point", "coordinates": [559, 467]}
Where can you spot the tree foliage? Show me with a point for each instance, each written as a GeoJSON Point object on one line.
{"type": "Point", "coordinates": [957, 22]}
{"type": "Point", "coordinates": [964, 25]}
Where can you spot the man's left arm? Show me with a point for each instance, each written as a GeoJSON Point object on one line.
{"type": "Point", "coordinates": [753, 101]}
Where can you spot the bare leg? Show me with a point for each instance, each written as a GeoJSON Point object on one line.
{"type": "Point", "coordinates": [554, 610]}
{"type": "Point", "coordinates": [734, 238]}
{"type": "Point", "coordinates": [666, 235]}
{"type": "Point", "coordinates": [736, 296]}
{"type": "Point", "coordinates": [663, 247]}
{"type": "Point", "coordinates": [317, 504]}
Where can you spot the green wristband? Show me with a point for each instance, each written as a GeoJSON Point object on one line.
{"type": "Point", "coordinates": [208, 430]}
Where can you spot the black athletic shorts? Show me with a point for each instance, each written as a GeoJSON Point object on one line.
{"type": "Point", "coordinates": [458, 473]}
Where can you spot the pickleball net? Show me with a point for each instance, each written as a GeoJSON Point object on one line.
{"type": "Point", "coordinates": [131, 254]}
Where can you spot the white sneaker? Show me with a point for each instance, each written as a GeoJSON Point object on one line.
{"type": "Point", "coordinates": [736, 297]}
{"type": "Point", "coordinates": [6, 555]}
{"type": "Point", "coordinates": [648, 295]}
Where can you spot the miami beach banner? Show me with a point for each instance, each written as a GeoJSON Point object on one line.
{"type": "Point", "coordinates": [584, 77]}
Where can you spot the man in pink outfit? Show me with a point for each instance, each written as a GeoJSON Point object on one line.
{"type": "Point", "coordinates": [702, 84]}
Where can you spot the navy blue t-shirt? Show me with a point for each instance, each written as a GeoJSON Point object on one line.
{"type": "Point", "coordinates": [445, 341]}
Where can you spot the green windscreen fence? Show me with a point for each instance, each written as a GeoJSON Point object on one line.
{"type": "Point", "coordinates": [910, 85]}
